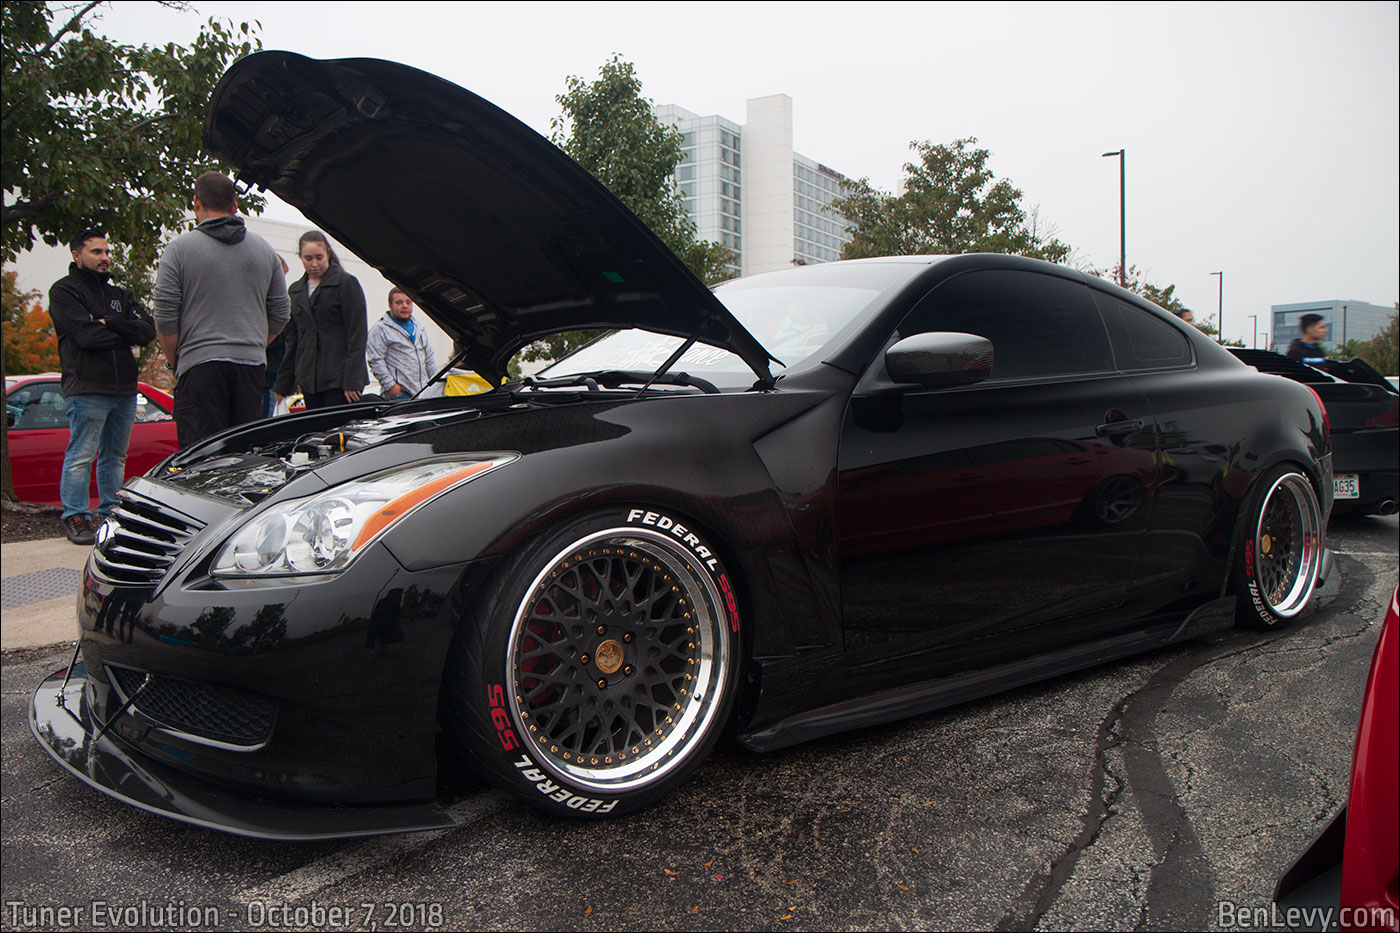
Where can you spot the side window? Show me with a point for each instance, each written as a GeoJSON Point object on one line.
{"type": "Point", "coordinates": [1039, 325]}
{"type": "Point", "coordinates": [37, 405]}
{"type": "Point", "coordinates": [148, 409]}
{"type": "Point", "coordinates": [1141, 340]}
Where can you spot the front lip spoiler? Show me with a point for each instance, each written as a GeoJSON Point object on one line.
{"type": "Point", "coordinates": [59, 717]}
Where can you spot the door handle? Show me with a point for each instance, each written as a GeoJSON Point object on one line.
{"type": "Point", "coordinates": [1119, 427]}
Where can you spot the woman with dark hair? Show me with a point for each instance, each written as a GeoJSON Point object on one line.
{"type": "Point", "coordinates": [325, 352]}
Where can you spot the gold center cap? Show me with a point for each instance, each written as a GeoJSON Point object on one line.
{"type": "Point", "coordinates": [608, 657]}
{"type": "Point", "coordinates": [1265, 543]}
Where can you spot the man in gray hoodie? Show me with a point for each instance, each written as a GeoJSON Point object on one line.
{"type": "Point", "coordinates": [219, 299]}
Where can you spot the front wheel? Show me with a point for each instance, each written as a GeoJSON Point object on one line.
{"type": "Point", "coordinates": [1278, 550]}
{"type": "Point", "coordinates": [600, 665]}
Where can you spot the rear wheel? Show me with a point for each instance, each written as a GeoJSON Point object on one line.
{"type": "Point", "coordinates": [600, 668]}
{"type": "Point", "coordinates": [1278, 550]}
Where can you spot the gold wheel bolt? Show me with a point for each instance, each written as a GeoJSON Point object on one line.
{"type": "Point", "coordinates": [601, 630]}
{"type": "Point", "coordinates": [627, 669]}
{"type": "Point", "coordinates": [602, 684]}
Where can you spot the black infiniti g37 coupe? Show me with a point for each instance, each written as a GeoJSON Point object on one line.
{"type": "Point", "coordinates": [802, 503]}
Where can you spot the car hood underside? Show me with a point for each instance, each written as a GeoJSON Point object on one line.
{"type": "Point", "coordinates": [498, 235]}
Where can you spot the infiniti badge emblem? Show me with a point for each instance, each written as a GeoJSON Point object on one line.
{"type": "Point", "coordinates": [104, 533]}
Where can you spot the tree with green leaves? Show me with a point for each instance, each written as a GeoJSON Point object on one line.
{"type": "Point", "coordinates": [101, 134]}
{"type": "Point", "coordinates": [950, 203]}
{"type": "Point", "coordinates": [1381, 351]}
{"type": "Point", "coordinates": [608, 127]}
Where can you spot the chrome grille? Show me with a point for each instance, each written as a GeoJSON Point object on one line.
{"type": "Point", "coordinates": [140, 540]}
{"type": "Point", "coordinates": [203, 712]}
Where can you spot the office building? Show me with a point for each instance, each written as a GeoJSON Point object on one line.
{"type": "Point", "coordinates": [1346, 320]}
{"type": "Point", "coordinates": [747, 189]}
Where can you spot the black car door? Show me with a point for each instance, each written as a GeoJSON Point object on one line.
{"type": "Point", "coordinates": [1002, 518]}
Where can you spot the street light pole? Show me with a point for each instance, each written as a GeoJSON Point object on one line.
{"type": "Point", "coordinates": [1122, 155]}
{"type": "Point", "coordinates": [1254, 329]}
{"type": "Point", "coordinates": [1220, 310]}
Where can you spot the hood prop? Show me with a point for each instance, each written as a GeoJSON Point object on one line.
{"type": "Point", "coordinates": [670, 361]}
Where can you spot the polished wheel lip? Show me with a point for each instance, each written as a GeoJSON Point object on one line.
{"type": "Point", "coordinates": [1287, 545]}
{"type": "Point", "coordinates": [710, 664]}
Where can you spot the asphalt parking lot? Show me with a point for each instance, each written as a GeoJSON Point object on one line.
{"type": "Point", "coordinates": [1166, 792]}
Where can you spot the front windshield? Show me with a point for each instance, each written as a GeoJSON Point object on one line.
{"type": "Point", "coordinates": [794, 314]}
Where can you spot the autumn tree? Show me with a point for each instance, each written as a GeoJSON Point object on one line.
{"type": "Point", "coordinates": [950, 203]}
{"type": "Point", "coordinates": [30, 344]}
{"type": "Point", "coordinates": [608, 127]}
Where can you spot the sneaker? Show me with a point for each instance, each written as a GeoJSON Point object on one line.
{"type": "Point", "coordinates": [78, 529]}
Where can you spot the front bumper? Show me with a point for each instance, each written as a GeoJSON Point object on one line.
{"type": "Point", "coordinates": [61, 718]}
{"type": "Point", "coordinates": [299, 710]}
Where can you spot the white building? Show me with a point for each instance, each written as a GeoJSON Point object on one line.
{"type": "Point", "coordinates": [747, 189]}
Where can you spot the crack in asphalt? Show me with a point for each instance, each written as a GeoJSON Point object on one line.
{"type": "Point", "coordinates": [1181, 872]}
{"type": "Point", "coordinates": [1045, 887]}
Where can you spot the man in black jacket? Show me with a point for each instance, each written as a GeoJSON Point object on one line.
{"type": "Point", "coordinates": [100, 330]}
{"type": "Point", "coordinates": [1308, 347]}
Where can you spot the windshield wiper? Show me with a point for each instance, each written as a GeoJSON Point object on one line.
{"type": "Point", "coordinates": [617, 378]}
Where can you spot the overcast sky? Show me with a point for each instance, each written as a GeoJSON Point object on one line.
{"type": "Point", "coordinates": [1263, 139]}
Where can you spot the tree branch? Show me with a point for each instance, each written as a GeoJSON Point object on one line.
{"type": "Point", "coordinates": [149, 121]}
{"type": "Point", "coordinates": [68, 27]}
{"type": "Point", "coordinates": [21, 211]}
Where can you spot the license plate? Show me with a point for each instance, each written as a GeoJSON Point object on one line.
{"type": "Point", "coordinates": [1346, 486]}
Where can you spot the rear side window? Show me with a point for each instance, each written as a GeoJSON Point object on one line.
{"type": "Point", "coordinates": [1039, 325]}
{"type": "Point", "coordinates": [1141, 340]}
{"type": "Point", "coordinates": [37, 405]}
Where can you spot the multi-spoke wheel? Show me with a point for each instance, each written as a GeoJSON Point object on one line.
{"type": "Point", "coordinates": [602, 671]}
{"type": "Point", "coordinates": [1114, 500]}
{"type": "Point", "coordinates": [1278, 549]}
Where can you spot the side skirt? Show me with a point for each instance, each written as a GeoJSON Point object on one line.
{"type": "Point", "coordinates": [926, 697]}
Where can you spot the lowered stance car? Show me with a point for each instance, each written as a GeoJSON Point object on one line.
{"type": "Point", "coordinates": [1364, 409]}
{"type": "Point", "coordinates": [806, 502]}
{"type": "Point", "coordinates": [37, 421]}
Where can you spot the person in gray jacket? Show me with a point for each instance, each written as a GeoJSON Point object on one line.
{"type": "Point", "coordinates": [400, 356]}
{"type": "Point", "coordinates": [219, 299]}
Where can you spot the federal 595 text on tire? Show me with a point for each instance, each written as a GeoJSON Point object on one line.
{"type": "Point", "coordinates": [599, 666]}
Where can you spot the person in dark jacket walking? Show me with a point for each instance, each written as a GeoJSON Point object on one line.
{"type": "Point", "coordinates": [325, 352]}
{"type": "Point", "coordinates": [1308, 347]}
{"type": "Point", "coordinates": [100, 330]}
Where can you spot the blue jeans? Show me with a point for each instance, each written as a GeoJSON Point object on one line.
{"type": "Point", "coordinates": [99, 428]}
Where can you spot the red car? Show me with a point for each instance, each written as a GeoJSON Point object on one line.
{"type": "Point", "coordinates": [1354, 864]}
{"type": "Point", "coordinates": [38, 435]}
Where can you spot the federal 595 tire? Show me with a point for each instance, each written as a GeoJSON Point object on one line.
{"type": "Point", "coordinates": [1278, 549]}
{"type": "Point", "coordinates": [599, 666]}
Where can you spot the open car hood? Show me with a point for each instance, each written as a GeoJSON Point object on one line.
{"type": "Point", "coordinates": [495, 233]}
